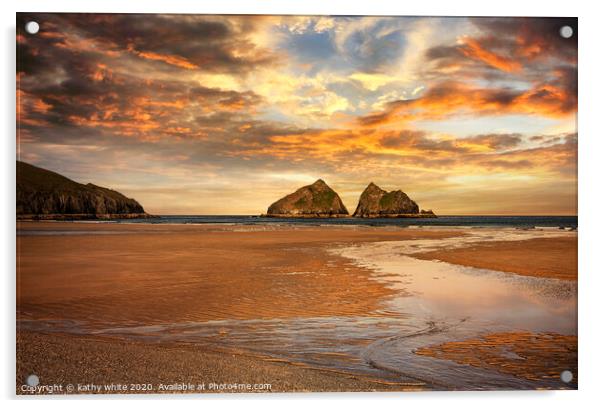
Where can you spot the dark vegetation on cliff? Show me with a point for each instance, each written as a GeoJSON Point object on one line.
{"type": "Point", "coordinates": [319, 200]}
{"type": "Point", "coordinates": [314, 200]}
{"type": "Point", "coordinates": [375, 202]}
{"type": "Point", "coordinates": [45, 194]}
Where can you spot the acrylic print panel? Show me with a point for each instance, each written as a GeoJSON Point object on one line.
{"type": "Point", "coordinates": [295, 203]}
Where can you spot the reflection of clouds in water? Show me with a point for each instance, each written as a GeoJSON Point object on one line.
{"type": "Point", "coordinates": [443, 290]}
{"type": "Point", "coordinates": [482, 301]}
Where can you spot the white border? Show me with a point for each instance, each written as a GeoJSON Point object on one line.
{"type": "Point", "coordinates": [589, 190]}
{"type": "Point", "coordinates": [327, 7]}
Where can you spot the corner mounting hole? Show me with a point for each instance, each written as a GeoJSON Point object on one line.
{"type": "Point", "coordinates": [566, 376]}
{"type": "Point", "coordinates": [32, 27]}
{"type": "Point", "coordinates": [566, 31]}
{"type": "Point", "coordinates": [33, 380]}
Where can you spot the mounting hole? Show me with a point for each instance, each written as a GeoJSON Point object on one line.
{"type": "Point", "coordinates": [566, 376]}
{"type": "Point", "coordinates": [566, 31]}
{"type": "Point", "coordinates": [33, 380]}
{"type": "Point", "coordinates": [32, 27]}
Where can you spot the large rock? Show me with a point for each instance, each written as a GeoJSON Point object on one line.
{"type": "Point", "coordinates": [376, 202]}
{"type": "Point", "coordinates": [315, 200]}
{"type": "Point", "coordinates": [47, 195]}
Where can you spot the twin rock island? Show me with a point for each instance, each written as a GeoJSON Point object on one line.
{"type": "Point", "coordinates": [318, 200]}
{"type": "Point", "coordinates": [43, 194]}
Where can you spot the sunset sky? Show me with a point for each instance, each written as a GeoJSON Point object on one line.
{"type": "Point", "coordinates": [225, 114]}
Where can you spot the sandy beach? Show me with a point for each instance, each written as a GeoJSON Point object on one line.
{"type": "Point", "coordinates": [86, 360]}
{"type": "Point", "coordinates": [165, 273]}
{"type": "Point", "coordinates": [542, 257]}
{"type": "Point", "coordinates": [163, 304]}
{"type": "Point", "coordinates": [521, 354]}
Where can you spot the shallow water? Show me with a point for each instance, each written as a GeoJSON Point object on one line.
{"type": "Point", "coordinates": [454, 303]}
{"type": "Point", "coordinates": [433, 302]}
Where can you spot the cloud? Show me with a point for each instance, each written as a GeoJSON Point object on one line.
{"type": "Point", "coordinates": [213, 104]}
{"type": "Point", "coordinates": [175, 60]}
{"type": "Point", "coordinates": [534, 38]}
{"type": "Point", "coordinates": [472, 49]}
{"type": "Point", "coordinates": [91, 73]}
{"type": "Point", "coordinates": [518, 46]}
{"type": "Point", "coordinates": [556, 98]}
{"type": "Point", "coordinates": [371, 81]}
{"type": "Point", "coordinates": [183, 41]}
{"type": "Point", "coordinates": [342, 149]}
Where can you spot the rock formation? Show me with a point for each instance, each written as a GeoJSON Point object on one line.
{"type": "Point", "coordinates": [315, 200]}
{"type": "Point", "coordinates": [376, 202]}
{"type": "Point", "coordinates": [43, 194]}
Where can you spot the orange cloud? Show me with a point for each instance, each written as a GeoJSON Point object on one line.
{"type": "Point", "coordinates": [447, 98]}
{"type": "Point", "coordinates": [330, 143]}
{"type": "Point", "coordinates": [30, 108]}
{"type": "Point", "coordinates": [473, 49]}
{"type": "Point", "coordinates": [385, 151]}
{"type": "Point", "coordinates": [169, 59]}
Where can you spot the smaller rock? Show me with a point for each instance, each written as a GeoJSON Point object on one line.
{"type": "Point", "coordinates": [378, 203]}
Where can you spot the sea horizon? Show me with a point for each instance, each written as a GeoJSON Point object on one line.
{"type": "Point", "coordinates": [515, 221]}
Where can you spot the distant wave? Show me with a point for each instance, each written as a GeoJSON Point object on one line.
{"type": "Point", "coordinates": [569, 222]}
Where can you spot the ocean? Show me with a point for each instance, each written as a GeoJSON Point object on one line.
{"type": "Point", "coordinates": [539, 221]}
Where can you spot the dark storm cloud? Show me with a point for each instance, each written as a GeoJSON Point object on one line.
{"type": "Point", "coordinates": [103, 74]}
{"type": "Point", "coordinates": [534, 37]}
{"type": "Point", "coordinates": [183, 41]}
{"type": "Point", "coordinates": [509, 51]}
{"type": "Point", "coordinates": [509, 44]}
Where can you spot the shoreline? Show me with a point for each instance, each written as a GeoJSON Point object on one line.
{"type": "Point", "coordinates": [63, 359]}
{"type": "Point", "coordinates": [320, 216]}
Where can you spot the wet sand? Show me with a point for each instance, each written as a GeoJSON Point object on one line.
{"type": "Point", "coordinates": [150, 274]}
{"type": "Point", "coordinates": [539, 257]}
{"type": "Point", "coordinates": [533, 356]}
{"type": "Point", "coordinates": [109, 274]}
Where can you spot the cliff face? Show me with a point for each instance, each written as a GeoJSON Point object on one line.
{"type": "Point", "coordinates": [45, 194]}
{"type": "Point", "coordinates": [376, 202]}
{"type": "Point", "coordinates": [315, 200]}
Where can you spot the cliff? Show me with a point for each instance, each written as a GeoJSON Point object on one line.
{"type": "Point", "coordinates": [376, 202]}
{"type": "Point", "coordinates": [315, 200]}
{"type": "Point", "coordinates": [43, 194]}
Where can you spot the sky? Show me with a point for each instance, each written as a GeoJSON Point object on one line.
{"type": "Point", "coordinates": [193, 114]}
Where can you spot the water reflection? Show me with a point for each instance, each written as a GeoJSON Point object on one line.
{"type": "Point", "coordinates": [433, 303]}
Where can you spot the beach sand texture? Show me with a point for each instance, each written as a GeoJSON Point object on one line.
{"type": "Point", "coordinates": [541, 257]}
{"type": "Point", "coordinates": [79, 284]}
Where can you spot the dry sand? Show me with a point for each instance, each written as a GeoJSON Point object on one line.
{"type": "Point", "coordinates": [541, 257]}
{"type": "Point", "coordinates": [68, 359]}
